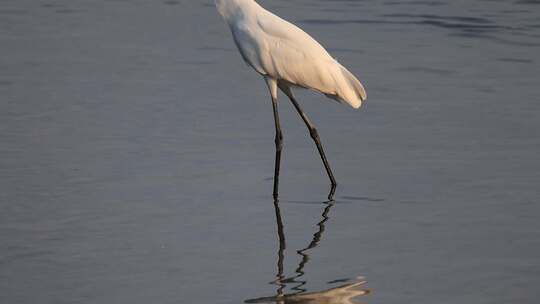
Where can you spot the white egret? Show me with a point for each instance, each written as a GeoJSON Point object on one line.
{"type": "Point", "coordinates": [288, 57]}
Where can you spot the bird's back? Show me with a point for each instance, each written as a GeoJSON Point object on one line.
{"type": "Point", "coordinates": [279, 49]}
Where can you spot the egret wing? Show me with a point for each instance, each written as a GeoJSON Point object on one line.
{"type": "Point", "coordinates": [290, 54]}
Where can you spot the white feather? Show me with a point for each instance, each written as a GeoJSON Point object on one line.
{"type": "Point", "coordinates": [283, 52]}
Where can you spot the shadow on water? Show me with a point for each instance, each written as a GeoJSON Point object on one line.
{"type": "Point", "coordinates": [343, 294]}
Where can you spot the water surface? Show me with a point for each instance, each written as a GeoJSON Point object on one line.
{"type": "Point", "coordinates": [136, 157]}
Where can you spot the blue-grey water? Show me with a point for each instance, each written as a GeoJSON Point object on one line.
{"type": "Point", "coordinates": [137, 151]}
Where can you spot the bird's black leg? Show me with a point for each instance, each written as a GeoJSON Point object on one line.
{"type": "Point", "coordinates": [279, 146]}
{"type": "Point", "coordinates": [315, 135]}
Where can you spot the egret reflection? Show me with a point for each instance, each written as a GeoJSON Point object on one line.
{"type": "Point", "coordinates": [342, 294]}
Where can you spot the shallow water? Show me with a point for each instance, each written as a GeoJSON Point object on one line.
{"type": "Point", "coordinates": [136, 157]}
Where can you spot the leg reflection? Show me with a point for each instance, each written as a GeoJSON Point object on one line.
{"type": "Point", "coordinates": [343, 294]}
{"type": "Point", "coordinates": [303, 252]}
{"type": "Point", "coordinates": [281, 249]}
{"type": "Point", "coordinates": [281, 281]}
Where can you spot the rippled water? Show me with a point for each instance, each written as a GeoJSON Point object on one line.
{"type": "Point", "coordinates": [136, 157]}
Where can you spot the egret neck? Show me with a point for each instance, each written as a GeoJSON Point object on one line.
{"type": "Point", "coordinates": [233, 10]}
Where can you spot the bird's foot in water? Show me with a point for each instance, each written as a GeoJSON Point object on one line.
{"type": "Point", "coordinates": [332, 192]}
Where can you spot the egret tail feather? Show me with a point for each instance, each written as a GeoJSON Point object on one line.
{"type": "Point", "coordinates": [355, 94]}
{"type": "Point", "coordinates": [348, 89]}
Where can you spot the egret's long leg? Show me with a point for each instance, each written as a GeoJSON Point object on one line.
{"type": "Point", "coordinates": [279, 146]}
{"type": "Point", "coordinates": [315, 135]}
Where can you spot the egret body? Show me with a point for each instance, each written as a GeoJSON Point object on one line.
{"type": "Point", "coordinates": [288, 57]}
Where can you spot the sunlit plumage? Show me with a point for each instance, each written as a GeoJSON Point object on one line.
{"type": "Point", "coordinates": [281, 51]}
{"type": "Point", "coordinates": [288, 57]}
